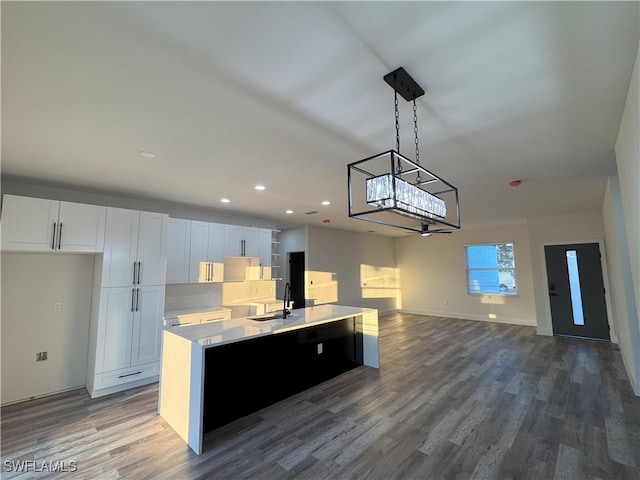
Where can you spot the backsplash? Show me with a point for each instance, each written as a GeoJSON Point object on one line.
{"type": "Point", "coordinates": [192, 295]}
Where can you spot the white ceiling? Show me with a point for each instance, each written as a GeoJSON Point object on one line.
{"type": "Point", "coordinates": [228, 95]}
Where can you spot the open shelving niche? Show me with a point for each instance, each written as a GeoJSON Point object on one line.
{"type": "Point", "coordinates": [275, 256]}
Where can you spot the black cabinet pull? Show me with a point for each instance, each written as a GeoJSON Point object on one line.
{"type": "Point", "coordinates": [137, 299]}
{"type": "Point", "coordinates": [60, 236]}
{"type": "Point", "coordinates": [133, 296]}
{"type": "Point", "coordinates": [139, 266]}
{"type": "Point", "coordinates": [53, 237]}
{"type": "Point", "coordinates": [129, 374]}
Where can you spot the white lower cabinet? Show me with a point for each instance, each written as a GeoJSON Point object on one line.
{"type": "Point", "coordinates": [128, 337]}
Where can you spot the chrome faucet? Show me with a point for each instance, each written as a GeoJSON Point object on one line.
{"type": "Point", "coordinates": [286, 301]}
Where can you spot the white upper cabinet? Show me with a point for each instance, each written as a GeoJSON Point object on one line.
{"type": "Point", "coordinates": [207, 245]}
{"type": "Point", "coordinates": [241, 241]}
{"type": "Point", "coordinates": [135, 250]}
{"type": "Point", "coordinates": [40, 225]}
{"type": "Point", "coordinates": [216, 243]}
{"type": "Point", "coordinates": [178, 242]}
{"type": "Point", "coordinates": [152, 249]}
{"type": "Point", "coordinates": [266, 247]}
{"type": "Point", "coordinates": [198, 251]}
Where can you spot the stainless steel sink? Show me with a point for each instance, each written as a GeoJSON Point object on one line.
{"type": "Point", "coordinates": [269, 316]}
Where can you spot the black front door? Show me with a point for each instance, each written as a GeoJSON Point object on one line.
{"type": "Point", "coordinates": [576, 291]}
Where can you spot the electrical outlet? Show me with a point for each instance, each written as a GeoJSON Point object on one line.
{"type": "Point", "coordinates": [319, 348]}
{"type": "Point", "coordinates": [57, 307]}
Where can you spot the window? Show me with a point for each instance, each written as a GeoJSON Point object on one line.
{"type": "Point", "coordinates": [491, 269]}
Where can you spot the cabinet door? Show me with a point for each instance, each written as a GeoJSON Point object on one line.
{"type": "Point", "coordinates": [265, 247]}
{"type": "Point", "coordinates": [198, 250]}
{"type": "Point", "coordinates": [216, 243]}
{"type": "Point", "coordinates": [120, 247]}
{"type": "Point", "coordinates": [178, 240]}
{"type": "Point", "coordinates": [82, 227]}
{"type": "Point", "coordinates": [251, 242]}
{"type": "Point", "coordinates": [147, 325]}
{"type": "Point", "coordinates": [27, 223]}
{"type": "Point", "coordinates": [233, 240]}
{"type": "Point", "coordinates": [152, 248]}
{"type": "Point", "coordinates": [115, 328]}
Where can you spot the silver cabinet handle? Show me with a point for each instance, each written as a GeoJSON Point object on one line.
{"type": "Point", "coordinates": [133, 299]}
{"type": "Point", "coordinates": [53, 237]}
{"type": "Point", "coordinates": [60, 236]}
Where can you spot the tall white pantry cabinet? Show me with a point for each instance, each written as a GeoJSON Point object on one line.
{"type": "Point", "coordinates": [128, 302]}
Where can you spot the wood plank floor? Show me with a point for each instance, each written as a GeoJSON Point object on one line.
{"type": "Point", "coordinates": [452, 399]}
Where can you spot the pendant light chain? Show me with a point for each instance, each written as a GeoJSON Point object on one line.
{"type": "Point", "coordinates": [415, 130]}
{"type": "Point", "coordinates": [398, 167]}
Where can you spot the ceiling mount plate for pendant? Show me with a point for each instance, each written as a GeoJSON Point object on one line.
{"type": "Point", "coordinates": [402, 83]}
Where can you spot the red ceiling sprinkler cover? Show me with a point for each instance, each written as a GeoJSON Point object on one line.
{"type": "Point", "coordinates": [515, 183]}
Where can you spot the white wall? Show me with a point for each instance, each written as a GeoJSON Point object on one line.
{"type": "Point", "coordinates": [351, 268]}
{"type": "Point", "coordinates": [434, 282]}
{"type": "Point", "coordinates": [31, 283]}
{"type": "Point", "coordinates": [574, 228]}
{"type": "Point", "coordinates": [625, 315]}
{"type": "Point", "coordinates": [628, 162]}
{"type": "Point", "coordinates": [120, 200]}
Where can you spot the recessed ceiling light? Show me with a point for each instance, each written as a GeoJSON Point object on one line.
{"type": "Point", "coordinates": [326, 202]}
{"type": "Point", "coordinates": [146, 154]}
{"type": "Point", "coordinates": [260, 187]}
{"type": "Point", "coordinates": [225, 200]}
{"type": "Point", "coordinates": [289, 211]}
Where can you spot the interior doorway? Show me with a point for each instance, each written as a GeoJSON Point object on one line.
{"type": "Point", "coordinates": [296, 278]}
{"type": "Point", "coordinates": [576, 291]}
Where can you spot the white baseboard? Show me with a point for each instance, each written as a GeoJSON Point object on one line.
{"type": "Point", "coordinates": [465, 316]}
{"type": "Point", "coordinates": [41, 396]}
{"type": "Point", "coordinates": [124, 386]}
{"type": "Point", "coordinates": [544, 331]}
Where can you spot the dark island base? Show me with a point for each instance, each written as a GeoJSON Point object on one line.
{"type": "Point", "coordinates": [243, 377]}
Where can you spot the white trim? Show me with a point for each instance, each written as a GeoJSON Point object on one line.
{"type": "Point", "coordinates": [124, 386]}
{"type": "Point", "coordinates": [13, 402]}
{"type": "Point", "coordinates": [543, 329]}
{"type": "Point", "coordinates": [466, 316]}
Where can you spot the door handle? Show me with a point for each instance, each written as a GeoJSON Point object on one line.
{"type": "Point", "coordinates": [53, 237]}
{"type": "Point", "coordinates": [60, 236]}
{"type": "Point", "coordinates": [139, 265]}
{"type": "Point", "coordinates": [133, 299]}
{"type": "Point", "coordinates": [137, 299]}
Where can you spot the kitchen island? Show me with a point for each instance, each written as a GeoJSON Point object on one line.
{"type": "Point", "coordinates": [217, 372]}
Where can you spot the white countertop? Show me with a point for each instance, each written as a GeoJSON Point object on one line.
{"type": "Point", "coordinates": [238, 329]}
{"type": "Point", "coordinates": [191, 311]}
